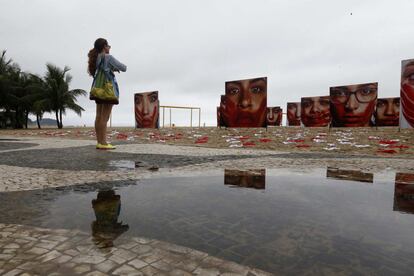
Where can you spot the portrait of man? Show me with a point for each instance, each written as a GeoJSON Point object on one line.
{"type": "Point", "coordinates": [315, 111]}
{"type": "Point", "coordinates": [274, 116]}
{"type": "Point", "coordinates": [293, 114]}
{"type": "Point", "coordinates": [407, 94]}
{"type": "Point", "coordinates": [147, 108]}
{"type": "Point", "coordinates": [387, 112]}
{"type": "Point", "coordinates": [353, 105]}
{"type": "Point", "coordinates": [255, 179]}
{"type": "Point", "coordinates": [404, 193]}
{"type": "Point", "coordinates": [244, 103]}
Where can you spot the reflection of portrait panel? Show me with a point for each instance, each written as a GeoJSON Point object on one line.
{"type": "Point", "coordinates": [407, 94]}
{"type": "Point", "coordinates": [353, 105]}
{"type": "Point", "coordinates": [274, 116]}
{"type": "Point", "coordinates": [349, 175]}
{"type": "Point", "coordinates": [404, 193]}
{"type": "Point", "coordinates": [387, 112]}
{"type": "Point", "coordinates": [248, 179]}
{"type": "Point", "coordinates": [315, 111]}
{"type": "Point", "coordinates": [147, 108]}
{"type": "Point", "coordinates": [293, 114]}
{"type": "Point", "coordinates": [245, 103]}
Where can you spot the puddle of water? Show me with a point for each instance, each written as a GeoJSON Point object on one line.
{"type": "Point", "coordinates": [283, 221]}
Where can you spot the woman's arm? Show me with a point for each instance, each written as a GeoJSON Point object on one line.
{"type": "Point", "coordinates": [115, 64]}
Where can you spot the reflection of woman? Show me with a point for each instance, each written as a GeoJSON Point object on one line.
{"type": "Point", "coordinates": [315, 111]}
{"type": "Point", "coordinates": [388, 112]}
{"type": "Point", "coordinates": [293, 114]}
{"type": "Point", "coordinates": [274, 116]}
{"type": "Point", "coordinates": [100, 52]}
{"type": "Point", "coordinates": [245, 103]}
{"type": "Point", "coordinates": [353, 105]}
{"type": "Point", "coordinates": [146, 110]}
{"type": "Point", "coordinates": [407, 94]}
{"type": "Point", "coordinates": [107, 207]}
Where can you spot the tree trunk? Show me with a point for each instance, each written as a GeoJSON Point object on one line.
{"type": "Point", "coordinates": [60, 115]}
{"type": "Point", "coordinates": [26, 118]}
{"type": "Point", "coordinates": [38, 120]}
{"type": "Point", "coordinates": [57, 119]}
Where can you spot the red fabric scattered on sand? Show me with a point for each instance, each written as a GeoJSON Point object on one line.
{"type": "Point", "coordinates": [296, 140]}
{"type": "Point", "coordinates": [386, 151]}
{"type": "Point", "coordinates": [398, 147]}
{"type": "Point", "coordinates": [303, 146]}
{"type": "Point", "coordinates": [121, 136]}
{"type": "Point", "coordinates": [388, 142]}
{"type": "Point", "coordinates": [202, 140]}
{"type": "Point", "coordinates": [249, 144]}
{"type": "Point", "coordinates": [265, 140]}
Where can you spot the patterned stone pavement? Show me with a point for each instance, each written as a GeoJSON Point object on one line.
{"type": "Point", "coordinates": [38, 163]}
{"type": "Point", "coordinates": [36, 251]}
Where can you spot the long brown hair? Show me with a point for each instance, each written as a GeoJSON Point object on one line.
{"type": "Point", "coordinates": [98, 46]}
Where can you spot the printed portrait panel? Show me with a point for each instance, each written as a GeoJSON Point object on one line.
{"type": "Point", "coordinates": [407, 94]}
{"type": "Point", "coordinates": [293, 114]}
{"type": "Point", "coordinates": [404, 193]}
{"type": "Point", "coordinates": [315, 111]}
{"type": "Point", "coordinates": [255, 179]}
{"type": "Point", "coordinates": [147, 108]}
{"type": "Point", "coordinates": [387, 112]}
{"type": "Point", "coordinates": [353, 105]}
{"type": "Point", "coordinates": [274, 116]}
{"type": "Point", "coordinates": [244, 104]}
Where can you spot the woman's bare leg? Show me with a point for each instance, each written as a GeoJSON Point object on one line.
{"type": "Point", "coordinates": [106, 113]}
{"type": "Point", "coordinates": [98, 123]}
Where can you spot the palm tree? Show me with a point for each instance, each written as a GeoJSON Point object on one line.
{"type": "Point", "coordinates": [59, 97]}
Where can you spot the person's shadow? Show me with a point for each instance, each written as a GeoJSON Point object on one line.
{"type": "Point", "coordinates": [106, 228]}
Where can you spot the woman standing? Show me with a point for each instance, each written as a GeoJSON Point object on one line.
{"type": "Point", "coordinates": [99, 56]}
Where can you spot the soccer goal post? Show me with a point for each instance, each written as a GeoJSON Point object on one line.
{"type": "Point", "coordinates": [169, 108]}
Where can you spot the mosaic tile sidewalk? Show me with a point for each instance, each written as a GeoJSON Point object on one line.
{"type": "Point", "coordinates": [36, 251]}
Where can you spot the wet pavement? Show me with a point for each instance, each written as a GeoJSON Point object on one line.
{"type": "Point", "coordinates": [236, 207]}
{"type": "Point", "coordinates": [278, 221]}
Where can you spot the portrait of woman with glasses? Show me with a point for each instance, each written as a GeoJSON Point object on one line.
{"type": "Point", "coordinates": [407, 94]}
{"type": "Point", "coordinates": [353, 105]}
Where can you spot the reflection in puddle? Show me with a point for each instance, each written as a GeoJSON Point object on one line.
{"type": "Point", "coordinates": [349, 175]}
{"type": "Point", "coordinates": [127, 164]}
{"type": "Point", "coordinates": [247, 179]}
{"type": "Point", "coordinates": [404, 193]}
{"type": "Point", "coordinates": [106, 228]}
{"type": "Point", "coordinates": [301, 225]}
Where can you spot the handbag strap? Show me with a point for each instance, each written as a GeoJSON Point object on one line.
{"type": "Point", "coordinates": [100, 66]}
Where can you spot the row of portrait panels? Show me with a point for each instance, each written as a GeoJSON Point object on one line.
{"type": "Point", "coordinates": [244, 104]}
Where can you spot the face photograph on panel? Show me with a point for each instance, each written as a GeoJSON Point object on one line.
{"type": "Point", "coordinates": [274, 116]}
{"type": "Point", "coordinates": [293, 114]}
{"type": "Point", "coordinates": [244, 104]}
{"type": "Point", "coordinates": [407, 94]}
{"type": "Point", "coordinates": [315, 111]}
{"type": "Point", "coordinates": [353, 105]}
{"type": "Point", "coordinates": [387, 112]}
{"type": "Point", "coordinates": [147, 110]}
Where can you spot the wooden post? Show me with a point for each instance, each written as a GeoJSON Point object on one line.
{"type": "Point", "coordinates": [163, 116]}
{"type": "Point", "coordinates": [170, 118]}
{"type": "Point", "coordinates": [199, 117]}
{"type": "Point", "coordinates": [191, 118]}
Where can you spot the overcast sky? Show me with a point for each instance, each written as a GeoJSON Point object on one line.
{"type": "Point", "coordinates": [187, 49]}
